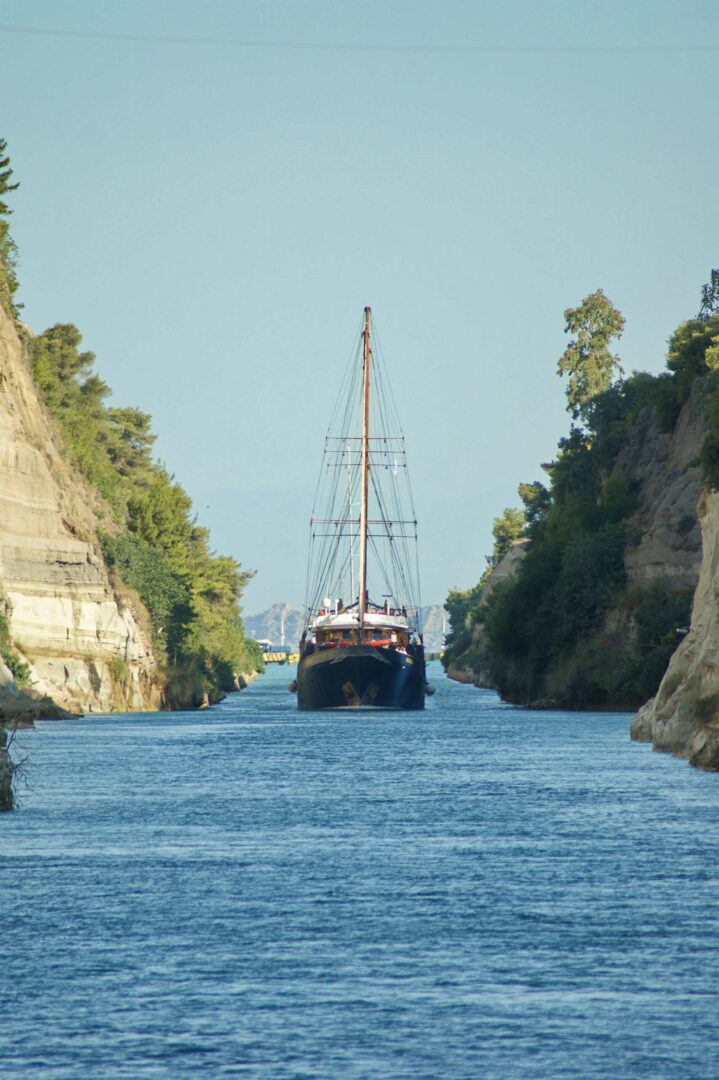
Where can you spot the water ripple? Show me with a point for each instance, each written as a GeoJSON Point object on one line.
{"type": "Point", "coordinates": [478, 891]}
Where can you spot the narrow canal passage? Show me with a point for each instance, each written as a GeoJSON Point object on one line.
{"type": "Point", "coordinates": [472, 891]}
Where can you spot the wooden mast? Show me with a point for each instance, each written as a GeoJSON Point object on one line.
{"type": "Point", "coordinates": [365, 473]}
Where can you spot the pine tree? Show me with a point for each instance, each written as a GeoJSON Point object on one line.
{"type": "Point", "coordinates": [587, 359]}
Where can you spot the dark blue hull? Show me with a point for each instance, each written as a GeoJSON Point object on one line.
{"type": "Point", "coordinates": [360, 677]}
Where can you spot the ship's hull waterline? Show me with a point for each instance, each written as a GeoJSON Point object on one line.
{"type": "Point", "coordinates": [360, 677]}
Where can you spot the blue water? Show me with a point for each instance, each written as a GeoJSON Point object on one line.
{"type": "Point", "coordinates": [476, 891]}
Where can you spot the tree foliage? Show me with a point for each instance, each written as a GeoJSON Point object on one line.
{"type": "Point", "coordinates": [8, 250]}
{"type": "Point", "coordinates": [156, 546]}
{"type": "Point", "coordinates": [164, 593]}
{"type": "Point", "coordinates": [18, 667]}
{"type": "Point", "coordinates": [461, 606]}
{"type": "Point", "coordinates": [506, 530]}
{"type": "Point", "coordinates": [694, 354]}
{"type": "Point", "coordinates": [537, 500]}
{"type": "Point", "coordinates": [588, 361]}
{"type": "Point", "coordinates": [565, 628]}
{"type": "Point", "coordinates": [710, 297]}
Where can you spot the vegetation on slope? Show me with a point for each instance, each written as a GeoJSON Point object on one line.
{"type": "Point", "coordinates": [8, 250]}
{"type": "Point", "coordinates": [152, 541]}
{"type": "Point", "coordinates": [565, 629]}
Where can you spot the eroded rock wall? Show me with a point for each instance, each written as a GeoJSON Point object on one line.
{"type": "Point", "coordinates": [84, 643]}
{"type": "Point", "coordinates": [683, 718]}
{"type": "Point", "coordinates": [471, 666]}
{"type": "Point", "coordinates": [665, 467]}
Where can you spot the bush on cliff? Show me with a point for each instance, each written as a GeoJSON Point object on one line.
{"type": "Point", "coordinates": [8, 250]}
{"type": "Point", "coordinates": [461, 606]}
{"type": "Point", "coordinates": [18, 667]}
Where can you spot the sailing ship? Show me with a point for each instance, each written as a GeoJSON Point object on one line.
{"type": "Point", "coordinates": [364, 651]}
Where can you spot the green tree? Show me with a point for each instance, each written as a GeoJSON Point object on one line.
{"type": "Point", "coordinates": [537, 502]}
{"type": "Point", "coordinates": [160, 551]}
{"type": "Point", "coordinates": [75, 396]}
{"type": "Point", "coordinates": [461, 606]}
{"type": "Point", "coordinates": [693, 351]}
{"type": "Point", "coordinates": [505, 530]}
{"type": "Point", "coordinates": [710, 297]}
{"type": "Point", "coordinates": [8, 250]}
{"type": "Point", "coordinates": [128, 440]}
{"type": "Point", "coordinates": [160, 514]}
{"type": "Point", "coordinates": [588, 360]}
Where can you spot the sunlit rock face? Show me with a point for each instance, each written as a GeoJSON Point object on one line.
{"type": "Point", "coordinates": [471, 666]}
{"type": "Point", "coordinates": [683, 718]}
{"type": "Point", "coordinates": [665, 467]}
{"type": "Point", "coordinates": [85, 644]}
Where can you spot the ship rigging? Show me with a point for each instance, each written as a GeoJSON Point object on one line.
{"type": "Point", "coordinates": [367, 650]}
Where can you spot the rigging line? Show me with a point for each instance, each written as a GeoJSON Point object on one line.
{"type": "Point", "coordinates": [345, 401]}
{"type": "Point", "coordinates": [323, 581]}
{"type": "Point", "coordinates": [348, 391]}
{"type": "Point", "coordinates": [397, 507]}
{"type": "Point", "coordinates": [307, 578]}
{"type": "Point", "coordinates": [325, 559]}
{"type": "Point", "coordinates": [409, 560]}
{"type": "Point", "coordinates": [391, 586]}
{"type": "Point", "coordinates": [345, 396]}
{"type": "Point", "coordinates": [348, 46]}
{"type": "Point", "coordinates": [392, 411]}
{"type": "Point", "coordinates": [328, 555]}
{"type": "Point", "coordinates": [383, 570]}
{"type": "Point", "coordinates": [323, 556]}
{"type": "Point", "coordinates": [401, 578]}
{"type": "Point", "coordinates": [346, 568]}
{"type": "Point", "coordinates": [394, 513]}
{"type": "Point", "coordinates": [320, 553]}
{"type": "Point", "coordinates": [401, 559]}
{"type": "Point", "coordinates": [339, 577]}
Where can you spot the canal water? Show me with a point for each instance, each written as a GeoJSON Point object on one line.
{"type": "Point", "coordinates": [476, 891]}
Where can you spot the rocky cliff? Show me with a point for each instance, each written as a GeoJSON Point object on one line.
{"type": "Point", "coordinates": [85, 643]}
{"type": "Point", "coordinates": [664, 466]}
{"type": "Point", "coordinates": [471, 666]}
{"type": "Point", "coordinates": [618, 659]}
{"type": "Point", "coordinates": [683, 718]}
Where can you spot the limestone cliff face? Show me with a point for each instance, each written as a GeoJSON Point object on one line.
{"type": "Point", "coordinates": [470, 666]}
{"type": "Point", "coordinates": [664, 466]}
{"type": "Point", "coordinates": [85, 645]}
{"type": "Point", "coordinates": [683, 718]}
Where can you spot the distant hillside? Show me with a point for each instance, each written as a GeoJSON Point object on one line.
{"type": "Point", "coordinates": [433, 618]}
{"type": "Point", "coordinates": [268, 625]}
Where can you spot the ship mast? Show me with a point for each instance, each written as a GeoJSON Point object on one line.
{"type": "Point", "coordinates": [367, 355]}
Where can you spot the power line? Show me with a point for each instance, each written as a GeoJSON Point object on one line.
{"type": "Point", "coordinates": [346, 46]}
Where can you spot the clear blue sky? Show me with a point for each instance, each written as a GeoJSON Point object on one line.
{"type": "Point", "coordinates": [215, 217]}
